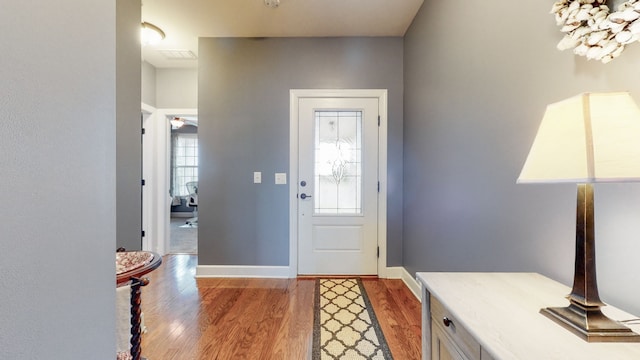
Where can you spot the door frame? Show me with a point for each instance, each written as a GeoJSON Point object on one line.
{"type": "Point", "coordinates": [294, 96]}
{"type": "Point", "coordinates": [156, 208]}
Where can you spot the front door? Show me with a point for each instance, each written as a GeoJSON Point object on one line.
{"type": "Point", "coordinates": [338, 186]}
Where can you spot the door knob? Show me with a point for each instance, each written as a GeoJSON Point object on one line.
{"type": "Point", "coordinates": [304, 196]}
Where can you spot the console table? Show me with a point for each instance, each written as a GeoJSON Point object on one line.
{"type": "Point", "coordinates": [496, 316]}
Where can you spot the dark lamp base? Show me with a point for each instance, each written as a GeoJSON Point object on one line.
{"type": "Point", "coordinates": [590, 324]}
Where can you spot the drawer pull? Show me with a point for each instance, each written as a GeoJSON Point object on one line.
{"type": "Point", "coordinates": [447, 321]}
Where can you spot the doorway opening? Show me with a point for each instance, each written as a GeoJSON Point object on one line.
{"type": "Point", "coordinates": [157, 173]}
{"type": "Point", "coordinates": [183, 237]}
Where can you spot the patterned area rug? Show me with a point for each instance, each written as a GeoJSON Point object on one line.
{"type": "Point", "coordinates": [345, 326]}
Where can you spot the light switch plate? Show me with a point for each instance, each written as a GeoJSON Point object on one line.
{"type": "Point", "coordinates": [281, 178]}
{"type": "Point", "coordinates": [257, 177]}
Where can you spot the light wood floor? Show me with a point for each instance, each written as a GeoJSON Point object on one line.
{"type": "Point", "coordinates": [255, 318]}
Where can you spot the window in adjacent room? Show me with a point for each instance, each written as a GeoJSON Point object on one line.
{"type": "Point", "coordinates": [184, 162]}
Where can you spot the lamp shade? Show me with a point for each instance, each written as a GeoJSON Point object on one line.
{"type": "Point", "coordinates": [591, 137]}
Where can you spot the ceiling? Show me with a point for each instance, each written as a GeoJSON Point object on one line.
{"type": "Point", "coordinates": [183, 21]}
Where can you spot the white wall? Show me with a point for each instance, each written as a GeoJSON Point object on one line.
{"type": "Point", "coordinates": [148, 84]}
{"type": "Point", "coordinates": [57, 126]}
{"type": "Point", "coordinates": [176, 88]}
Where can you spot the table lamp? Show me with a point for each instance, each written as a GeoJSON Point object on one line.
{"type": "Point", "coordinates": [589, 138]}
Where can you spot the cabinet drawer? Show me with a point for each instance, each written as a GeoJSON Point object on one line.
{"type": "Point", "coordinates": [442, 347]}
{"type": "Point", "coordinates": [454, 330]}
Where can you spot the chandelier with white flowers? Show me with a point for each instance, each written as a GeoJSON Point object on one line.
{"type": "Point", "coordinates": [595, 32]}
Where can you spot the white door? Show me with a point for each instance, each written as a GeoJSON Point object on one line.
{"type": "Point", "coordinates": [338, 186]}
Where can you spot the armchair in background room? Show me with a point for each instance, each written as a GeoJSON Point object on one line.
{"type": "Point", "coordinates": [192, 201]}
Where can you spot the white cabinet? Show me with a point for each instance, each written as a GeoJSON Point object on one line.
{"type": "Point", "coordinates": [443, 347]}
{"type": "Point", "coordinates": [449, 338]}
{"type": "Point", "coordinates": [485, 316]}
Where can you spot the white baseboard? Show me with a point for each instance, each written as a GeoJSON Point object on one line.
{"type": "Point", "coordinates": [412, 284]}
{"type": "Point", "coordinates": [233, 271]}
{"type": "Point", "coordinates": [392, 273]}
{"type": "Point", "coordinates": [400, 272]}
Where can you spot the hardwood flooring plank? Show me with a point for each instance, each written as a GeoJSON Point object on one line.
{"type": "Point", "coordinates": [193, 319]}
{"type": "Point", "coordinates": [397, 316]}
{"type": "Point", "coordinates": [296, 339]}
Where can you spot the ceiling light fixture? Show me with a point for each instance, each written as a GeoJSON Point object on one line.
{"type": "Point", "coordinates": [176, 122]}
{"type": "Point", "coordinates": [151, 34]}
{"type": "Point", "coordinates": [272, 3]}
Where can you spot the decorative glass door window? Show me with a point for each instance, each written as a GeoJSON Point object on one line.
{"type": "Point", "coordinates": [338, 162]}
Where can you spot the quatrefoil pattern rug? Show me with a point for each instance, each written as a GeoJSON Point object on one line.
{"type": "Point", "coordinates": [345, 326]}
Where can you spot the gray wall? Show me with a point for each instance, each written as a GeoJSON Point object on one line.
{"type": "Point", "coordinates": [58, 148]}
{"type": "Point", "coordinates": [476, 88]}
{"type": "Point", "coordinates": [128, 125]}
{"type": "Point", "coordinates": [243, 98]}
